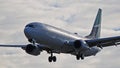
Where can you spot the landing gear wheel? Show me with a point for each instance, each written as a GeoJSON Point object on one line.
{"type": "Point", "coordinates": [77, 57]}
{"type": "Point", "coordinates": [54, 58]}
{"type": "Point", "coordinates": [50, 59]}
{"type": "Point", "coordinates": [82, 57]}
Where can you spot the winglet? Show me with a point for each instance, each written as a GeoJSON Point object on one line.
{"type": "Point", "coordinates": [96, 30]}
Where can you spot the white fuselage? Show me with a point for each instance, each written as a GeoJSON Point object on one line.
{"type": "Point", "coordinates": [52, 37]}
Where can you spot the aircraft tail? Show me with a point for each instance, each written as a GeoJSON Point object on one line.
{"type": "Point", "coordinates": [96, 30]}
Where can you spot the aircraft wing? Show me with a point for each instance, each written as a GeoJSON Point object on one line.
{"type": "Point", "coordinates": [104, 42]}
{"type": "Point", "coordinates": [1, 45]}
{"type": "Point", "coordinates": [24, 46]}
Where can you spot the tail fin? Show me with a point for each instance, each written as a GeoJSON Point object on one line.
{"type": "Point", "coordinates": [96, 30]}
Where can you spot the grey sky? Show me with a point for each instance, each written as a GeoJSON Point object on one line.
{"type": "Point", "coordinates": [72, 15]}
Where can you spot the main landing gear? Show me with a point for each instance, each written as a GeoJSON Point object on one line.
{"type": "Point", "coordinates": [80, 56]}
{"type": "Point", "coordinates": [52, 58]}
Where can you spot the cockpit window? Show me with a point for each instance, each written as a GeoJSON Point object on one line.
{"type": "Point", "coordinates": [30, 25]}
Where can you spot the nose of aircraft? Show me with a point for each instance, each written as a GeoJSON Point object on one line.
{"type": "Point", "coordinates": [31, 28]}
{"type": "Point", "coordinates": [27, 31]}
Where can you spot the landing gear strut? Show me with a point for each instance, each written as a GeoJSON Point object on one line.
{"type": "Point", "coordinates": [32, 41]}
{"type": "Point", "coordinates": [52, 58]}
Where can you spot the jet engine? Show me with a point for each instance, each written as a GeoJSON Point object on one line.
{"type": "Point", "coordinates": [32, 50]}
{"type": "Point", "coordinates": [78, 44]}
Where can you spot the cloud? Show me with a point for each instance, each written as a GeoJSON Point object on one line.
{"type": "Point", "coordinates": [73, 15]}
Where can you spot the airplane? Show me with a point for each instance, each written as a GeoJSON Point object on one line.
{"type": "Point", "coordinates": [44, 37]}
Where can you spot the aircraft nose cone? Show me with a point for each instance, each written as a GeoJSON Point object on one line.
{"type": "Point", "coordinates": [27, 32]}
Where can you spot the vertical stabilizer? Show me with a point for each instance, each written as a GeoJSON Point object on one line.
{"type": "Point", "coordinates": [96, 30]}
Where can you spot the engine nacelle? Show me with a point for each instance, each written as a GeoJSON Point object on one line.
{"type": "Point", "coordinates": [32, 50]}
{"type": "Point", "coordinates": [80, 44]}
{"type": "Point", "coordinates": [77, 44]}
